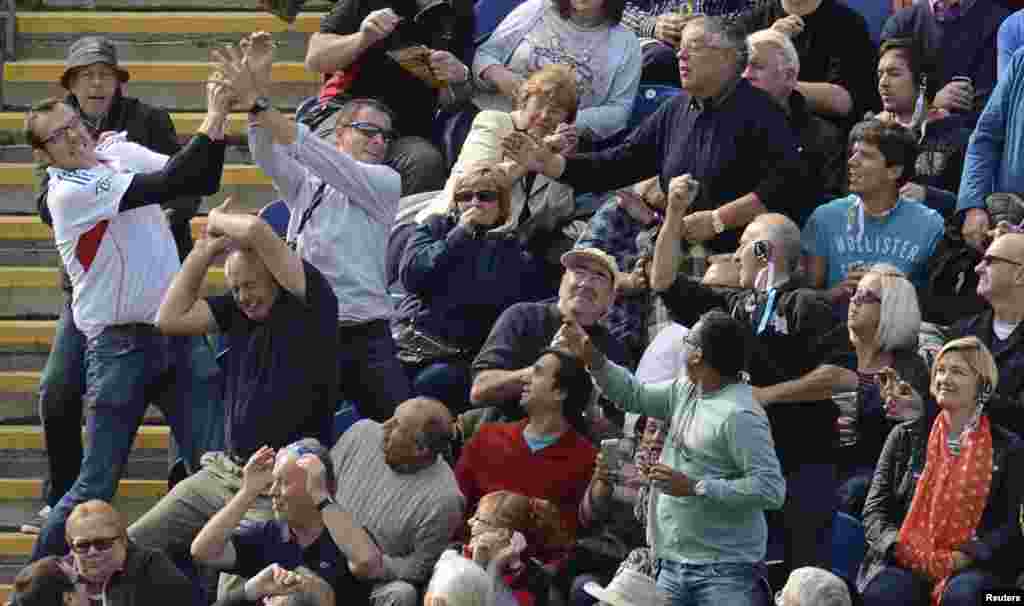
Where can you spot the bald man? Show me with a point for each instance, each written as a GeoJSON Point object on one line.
{"type": "Point", "coordinates": [280, 365]}
{"type": "Point", "coordinates": [115, 569]}
{"type": "Point", "coordinates": [394, 481]}
{"type": "Point", "coordinates": [786, 319]}
{"type": "Point", "coordinates": [1001, 284]}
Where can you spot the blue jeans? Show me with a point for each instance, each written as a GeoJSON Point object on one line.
{"type": "Point", "coordinates": [60, 406]}
{"type": "Point", "coordinates": [126, 368]}
{"type": "Point", "coordinates": [895, 585]}
{"type": "Point", "coordinates": [734, 584]}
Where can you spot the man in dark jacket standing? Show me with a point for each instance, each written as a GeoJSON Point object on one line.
{"type": "Point", "coordinates": [94, 81]}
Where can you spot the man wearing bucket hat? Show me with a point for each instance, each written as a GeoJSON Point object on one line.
{"type": "Point", "coordinates": [502, 368]}
{"type": "Point", "coordinates": [628, 588]}
{"type": "Point", "coordinates": [94, 81]}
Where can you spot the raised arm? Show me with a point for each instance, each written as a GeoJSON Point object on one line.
{"type": "Point", "coordinates": [819, 384]}
{"type": "Point", "coordinates": [682, 191]}
{"type": "Point", "coordinates": [213, 545]}
{"type": "Point", "coordinates": [253, 233]}
{"type": "Point", "coordinates": [330, 51]}
{"type": "Point", "coordinates": [182, 312]}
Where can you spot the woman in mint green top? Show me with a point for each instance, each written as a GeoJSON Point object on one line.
{"type": "Point", "coordinates": [718, 471]}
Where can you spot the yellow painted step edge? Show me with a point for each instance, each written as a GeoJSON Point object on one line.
{"type": "Point", "coordinates": [24, 174]}
{"type": "Point", "coordinates": [27, 332]}
{"type": "Point", "coordinates": [16, 544]}
{"type": "Point", "coordinates": [29, 228]}
{"type": "Point", "coordinates": [185, 123]}
{"type": "Point", "coordinates": [49, 277]}
{"type": "Point", "coordinates": [30, 437]}
{"type": "Point", "coordinates": [82, 22]}
{"type": "Point", "coordinates": [19, 381]}
{"type": "Point", "coordinates": [32, 488]}
{"type": "Point", "coordinates": [5, 593]}
{"type": "Point", "coordinates": [150, 71]}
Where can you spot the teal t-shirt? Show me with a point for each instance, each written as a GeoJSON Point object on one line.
{"type": "Point", "coordinates": [905, 238]}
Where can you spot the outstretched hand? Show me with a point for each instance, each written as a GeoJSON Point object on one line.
{"type": "Point", "coordinates": [258, 473]}
{"type": "Point", "coordinates": [258, 52]}
{"type": "Point", "coordinates": [235, 73]}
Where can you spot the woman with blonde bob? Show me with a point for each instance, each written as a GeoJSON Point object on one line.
{"type": "Point", "coordinates": [460, 272]}
{"type": "Point", "coordinates": [949, 536]}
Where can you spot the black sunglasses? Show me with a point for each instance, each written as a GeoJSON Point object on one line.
{"type": "Point", "coordinates": [372, 130]}
{"type": "Point", "coordinates": [100, 544]}
{"type": "Point", "coordinates": [484, 195]}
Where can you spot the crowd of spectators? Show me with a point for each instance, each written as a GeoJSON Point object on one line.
{"type": "Point", "coordinates": [587, 363]}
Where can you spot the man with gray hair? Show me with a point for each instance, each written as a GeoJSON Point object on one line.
{"type": "Point", "coordinates": [773, 68]}
{"type": "Point", "coordinates": [729, 136]}
{"type": "Point", "coordinates": [787, 319]}
{"type": "Point", "coordinates": [308, 529]}
{"type": "Point", "coordinates": [393, 479]}
{"type": "Point", "coordinates": [810, 586]}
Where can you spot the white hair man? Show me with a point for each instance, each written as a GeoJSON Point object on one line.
{"type": "Point", "coordinates": [773, 67]}
{"type": "Point", "coordinates": [810, 586]}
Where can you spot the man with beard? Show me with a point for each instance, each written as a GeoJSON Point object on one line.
{"type": "Point", "coordinates": [504, 366]}
{"type": "Point", "coordinates": [308, 529]}
{"type": "Point", "coordinates": [394, 481]}
{"type": "Point", "coordinates": [544, 456]}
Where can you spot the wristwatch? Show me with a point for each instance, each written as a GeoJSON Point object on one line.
{"type": "Point", "coordinates": [259, 105]}
{"type": "Point", "coordinates": [700, 488]}
{"type": "Point", "coordinates": [716, 222]}
{"type": "Point", "coordinates": [329, 500]}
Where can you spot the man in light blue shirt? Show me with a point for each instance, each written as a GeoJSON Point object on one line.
{"type": "Point", "coordinates": [873, 224]}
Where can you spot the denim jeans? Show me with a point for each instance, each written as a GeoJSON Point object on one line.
{"type": "Point", "coordinates": [126, 368]}
{"type": "Point", "coordinates": [60, 406]}
{"type": "Point", "coordinates": [895, 585]}
{"type": "Point", "coordinates": [735, 584]}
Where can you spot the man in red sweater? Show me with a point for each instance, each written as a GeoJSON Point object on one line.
{"type": "Point", "coordinates": [545, 455]}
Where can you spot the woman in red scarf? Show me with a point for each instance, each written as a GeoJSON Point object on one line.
{"type": "Point", "coordinates": [956, 539]}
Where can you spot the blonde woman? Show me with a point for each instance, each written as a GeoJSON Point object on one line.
{"type": "Point", "coordinates": [958, 535]}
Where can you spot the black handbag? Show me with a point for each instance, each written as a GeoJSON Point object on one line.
{"type": "Point", "coordinates": [417, 347]}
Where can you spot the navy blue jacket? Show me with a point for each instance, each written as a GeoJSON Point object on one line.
{"type": "Point", "coordinates": [460, 283]}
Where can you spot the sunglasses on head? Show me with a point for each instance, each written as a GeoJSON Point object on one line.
{"type": "Point", "coordinates": [484, 195]}
{"type": "Point", "coordinates": [890, 383]}
{"type": "Point", "coordinates": [865, 297]}
{"type": "Point", "coordinates": [99, 544]}
{"type": "Point", "coordinates": [372, 130]}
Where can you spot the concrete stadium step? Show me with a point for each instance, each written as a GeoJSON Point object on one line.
{"type": "Point", "coordinates": [175, 84]}
{"type": "Point", "coordinates": [30, 437]}
{"type": "Point", "coordinates": [143, 464]}
{"type": "Point", "coordinates": [31, 229]}
{"type": "Point", "coordinates": [25, 411]}
{"type": "Point", "coordinates": [246, 183]}
{"type": "Point", "coordinates": [185, 123]}
{"type": "Point", "coordinates": [32, 488]}
{"type": "Point", "coordinates": [160, 5]}
{"type": "Point", "coordinates": [14, 512]}
{"type": "Point", "coordinates": [31, 292]}
{"type": "Point", "coordinates": [158, 36]}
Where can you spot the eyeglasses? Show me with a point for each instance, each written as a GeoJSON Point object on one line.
{"type": "Point", "coordinates": [891, 384]}
{"type": "Point", "coordinates": [866, 297]}
{"type": "Point", "coordinates": [61, 131]}
{"type": "Point", "coordinates": [993, 259]}
{"type": "Point", "coordinates": [100, 544]}
{"type": "Point", "coordinates": [487, 196]}
{"type": "Point", "coordinates": [372, 130]}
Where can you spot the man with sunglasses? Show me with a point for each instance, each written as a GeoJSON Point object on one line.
{"type": "Point", "coordinates": [343, 203]}
{"type": "Point", "coordinates": [115, 571]}
{"type": "Point", "coordinates": [116, 244]}
{"type": "Point", "coordinates": [1001, 284]}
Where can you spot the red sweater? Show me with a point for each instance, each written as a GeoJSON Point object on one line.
{"type": "Point", "coordinates": [498, 458]}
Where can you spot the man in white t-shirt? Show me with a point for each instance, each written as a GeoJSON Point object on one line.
{"type": "Point", "coordinates": [117, 246]}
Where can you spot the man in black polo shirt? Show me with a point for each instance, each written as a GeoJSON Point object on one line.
{"type": "Point", "coordinates": [308, 529]}
{"type": "Point", "coordinates": [280, 322]}
{"type": "Point", "coordinates": [504, 365]}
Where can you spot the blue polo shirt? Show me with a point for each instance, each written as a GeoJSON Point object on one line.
{"type": "Point", "coordinates": [905, 238]}
{"type": "Point", "coordinates": [259, 544]}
